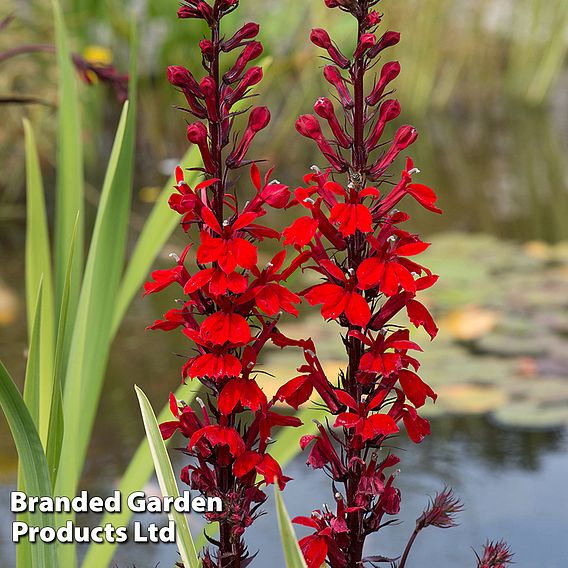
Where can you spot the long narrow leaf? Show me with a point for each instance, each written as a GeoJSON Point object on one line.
{"type": "Point", "coordinates": [167, 480]}
{"type": "Point", "coordinates": [70, 182]}
{"type": "Point", "coordinates": [38, 268]}
{"type": "Point", "coordinates": [33, 465]}
{"type": "Point", "coordinates": [56, 421]}
{"type": "Point", "coordinates": [136, 476]}
{"type": "Point", "coordinates": [32, 393]}
{"type": "Point", "coordinates": [292, 552]}
{"type": "Point", "coordinates": [90, 345]}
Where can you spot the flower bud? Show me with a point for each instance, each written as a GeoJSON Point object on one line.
{"type": "Point", "coordinates": [387, 40]}
{"type": "Point", "coordinates": [196, 9]}
{"type": "Point", "coordinates": [321, 38]}
{"type": "Point", "coordinates": [404, 137]}
{"type": "Point", "coordinates": [248, 31]}
{"type": "Point", "coordinates": [209, 89]}
{"type": "Point", "coordinates": [389, 110]}
{"type": "Point", "coordinates": [197, 134]}
{"type": "Point", "coordinates": [250, 52]}
{"type": "Point", "coordinates": [389, 73]}
{"type": "Point", "coordinates": [252, 77]}
{"type": "Point", "coordinates": [373, 19]}
{"type": "Point", "coordinates": [181, 77]}
{"type": "Point", "coordinates": [275, 194]}
{"type": "Point", "coordinates": [258, 120]}
{"type": "Point", "coordinates": [324, 108]}
{"type": "Point", "coordinates": [308, 125]}
{"type": "Point", "coordinates": [333, 76]}
{"type": "Point", "coordinates": [365, 43]}
{"type": "Point", "coordinates": [207, 49]}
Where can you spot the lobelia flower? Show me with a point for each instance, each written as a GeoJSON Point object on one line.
{"type": "Point", "coordinates": [231, 306]}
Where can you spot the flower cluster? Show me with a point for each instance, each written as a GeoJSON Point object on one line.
{"type": "Point", "coordinates": [231, 305]}
{"type": "Point", "coordinates": [357, 243]}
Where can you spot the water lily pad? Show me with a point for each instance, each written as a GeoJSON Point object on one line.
{"type": "Point", "coordinates": [531, 416]}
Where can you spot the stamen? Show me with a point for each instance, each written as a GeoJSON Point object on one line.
{"type": "Point", "coordinates": [174, 256]}
{"type": "Point", "coordinates": [413, 171]}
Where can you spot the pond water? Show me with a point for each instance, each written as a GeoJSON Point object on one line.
{"type": "Point", "coordinates": [506, 178]}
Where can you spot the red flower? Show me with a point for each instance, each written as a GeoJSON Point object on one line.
{"type": "Point", "coordinates": [264, 465]}
{"type": "Point", "coordinates": [163, 278]}
{"type": "Point", "coordinates": [417, 427]}
{"type": "Point", "coordinates": [241, 391]}
{"type": "Point", "coordinates": [187, 422]}
{"type": "Point", "coordinates": [266, 292]}
{"type": "Point", "coordinates": [337, 299]}
{"type": "Point", "coordinates": [218, 282]}
{"type": "Point", "coordinates": [368, 426]}
{"type": "Point", "coordinates": [415, 389]}
{"type": "Point", "coordinates": [218, 435]}
{"type": "Point", "coordinates": [228, 249]}
{"type": "Point", "coordinates": [376, 359]}
{"type": "Point", "coordinates": [226, 327]}
{"type": "Point", "coordinates": [389, 270]}
{"type": "Point", "coordinates": [352, 215]}
{"type": "Point", "coordinates": [296, 391]}
{"type": "Point", "coordinates": [300, 232]}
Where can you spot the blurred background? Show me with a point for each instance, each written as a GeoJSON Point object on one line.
{"type": "Point", "coordinates": [486, 84]}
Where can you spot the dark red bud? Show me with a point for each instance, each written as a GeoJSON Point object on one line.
{"type": "Point", "coordinates": [389, 72]}
{"type": "Point", "coordinates": [321, 38]}
{"type": "Point", "coordinates": [207, 49]}
{"type": "Point", "coordinates": [250, 52]}
{"type": "Point", "coordinates": [389, 110]}
{"type": "Point", "coordinates": [387, 40]}
{"type": "Point", "coordinates": [209, 89]}
{"type": "Point", "coordinates": [248, 31]}
{"type": "Point", "coordinates": [365, 43]}
{"type": "Point", "coordinates": [197, 134]}
{"type": "Point", "coordinates": [333, 76]}
{"type": "Point", "coordinates": [196, 9]}
{"type": "Point", "coordinates": [258, 120]}
{"type": "Point", "coordinates": [324, 108]}
{"type": "Point", "coordinates": [181, 77]}
{"type": "Point", "coordinates": [308, 125]}
{"type": "Point", "coordinates": [373, 19]}
{"type": "Point", "coordinates": [404, 137]}
{"type": "Point", "coordinates": [252, 77]}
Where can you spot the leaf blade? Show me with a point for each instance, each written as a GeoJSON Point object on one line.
{"type": "Point", "coordinates": [166, 479]}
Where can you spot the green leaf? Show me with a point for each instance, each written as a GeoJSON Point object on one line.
{"type": "Point", "coordinates": [56, 420]}
{"type": "Point", "coordinates": [167, 480]}
{"type": "Point", "coordinates": [33, 466]}
{"type": "Point", "coordinates": [70, 181]}
{"type": "Point", "coordinates": [38, 268]}
{"type": "Point", "coordinates": [292, 553]}
{"type": "Point", "coordinates": [155, 234]}
{"type": "Point", "coordinates": [90, 339]}
{"type": "Point", "coordinates": [32, 394]}
{"type": "Point", "coordinates": [137, 475]}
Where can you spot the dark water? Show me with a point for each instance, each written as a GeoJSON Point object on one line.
{"type": "Point", "coordinates": [506, 177]}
